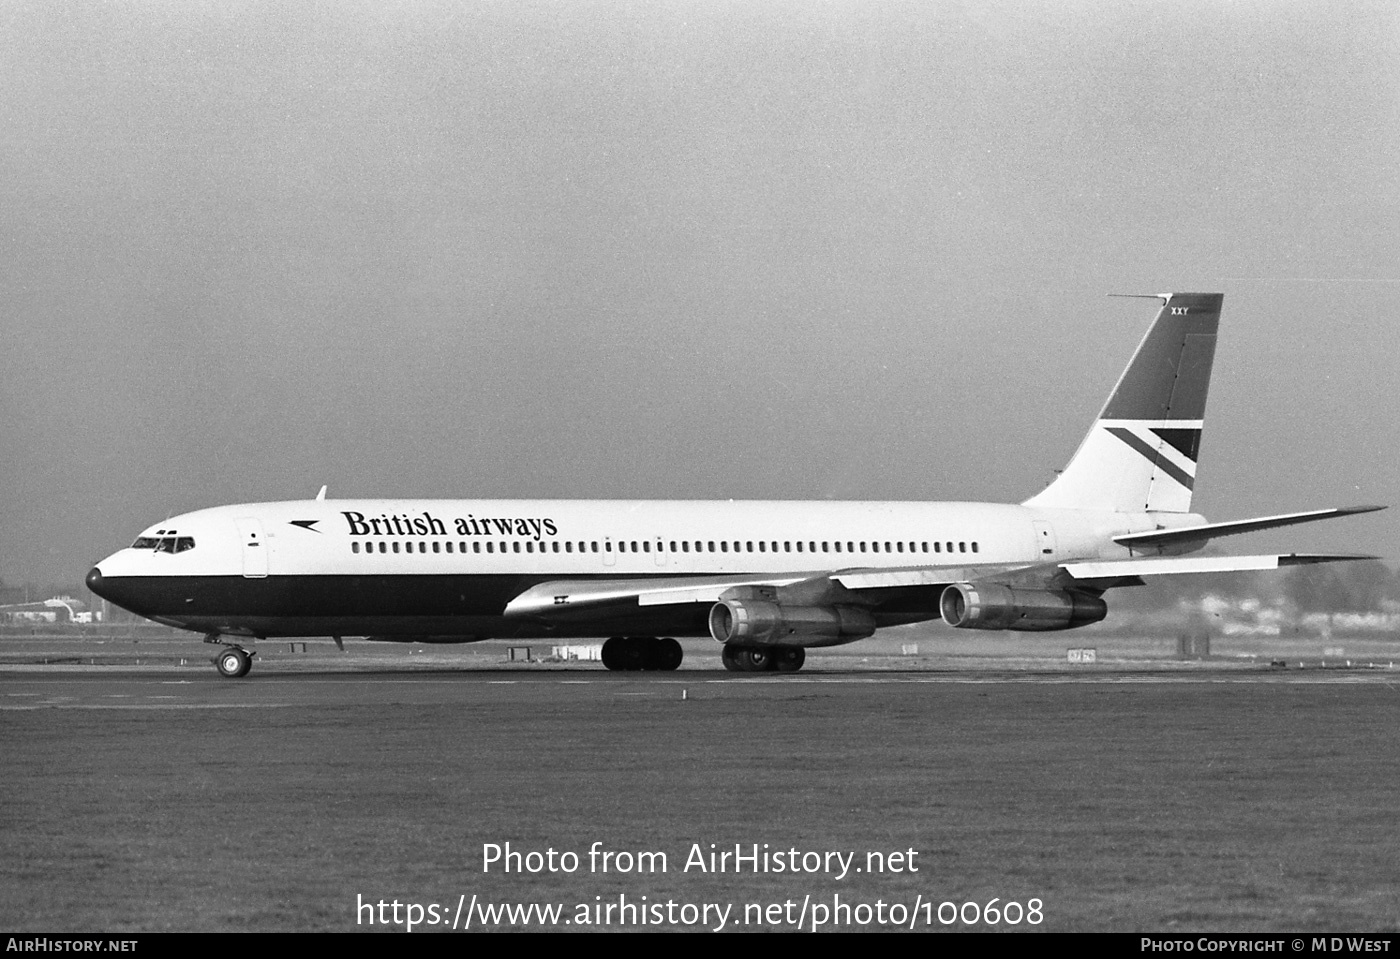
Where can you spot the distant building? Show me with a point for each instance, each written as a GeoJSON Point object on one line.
{"type": "Point", "coordinates": [59, 609]}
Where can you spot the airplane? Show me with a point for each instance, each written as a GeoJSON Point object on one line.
{"type": "Point", "coordinates": [768, 580]}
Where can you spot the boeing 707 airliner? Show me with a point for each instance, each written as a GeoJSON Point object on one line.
{"type": "Point", "coordinates": [768, 580]}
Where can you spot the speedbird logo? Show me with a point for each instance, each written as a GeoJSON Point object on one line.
{"type": "Point", "coordinates": [425, 524]}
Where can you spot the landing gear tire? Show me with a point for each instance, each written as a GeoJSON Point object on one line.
{"type": "Point", "coordinates": [642, 653]}
{"type": "Point", "coordinates": [747, 659]}
{"type": "Point", "coordinates": [763, 659]}
{"type": "Point", "coordinates": [233, 662]}
{"type": "Point", "coordinates": [669, 655]}
{"type": "Point", "coordinates": [789, 659]}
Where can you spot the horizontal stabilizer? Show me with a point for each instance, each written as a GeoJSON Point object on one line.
{"type": "Point", "coordinates": [1200, 534]}
{"type": "Point", "coordinates": [1115, 570]}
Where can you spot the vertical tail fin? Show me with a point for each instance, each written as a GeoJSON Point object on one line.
{"type": "Point", "coordinates": [1140, 454]}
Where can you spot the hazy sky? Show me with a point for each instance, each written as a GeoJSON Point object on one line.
{"type": "Point", "coordinates": [698, 250]}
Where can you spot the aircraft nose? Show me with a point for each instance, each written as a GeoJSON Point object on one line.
{"type": "Point", "coordinates": [94, 582]}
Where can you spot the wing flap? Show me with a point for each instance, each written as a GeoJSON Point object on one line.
{"type": "Point", "coordinates": [561, 596]}
{"type": "Point", "coordinates": [858, 579]}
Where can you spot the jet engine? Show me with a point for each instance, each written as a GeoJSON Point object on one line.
{"type": "Point", "coordinates": [750, 622]}
{"type": "Point", "coordinates": [994, 606]}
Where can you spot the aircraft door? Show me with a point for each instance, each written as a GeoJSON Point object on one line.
{"type": "Point", "coordinates": [609, 556]}
{"type": "Point", "coordinates": [254, 548]}
{"type": "Point", "coordinates": [1044, 541]}
{"type": "Point", "coordinates": [658, 551]}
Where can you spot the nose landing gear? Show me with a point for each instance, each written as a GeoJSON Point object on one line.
{"type": "Point", "coordinates": [232, 661]}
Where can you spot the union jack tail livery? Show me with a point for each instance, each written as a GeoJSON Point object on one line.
{"type": "Point", "coordinates": [1141, 453]}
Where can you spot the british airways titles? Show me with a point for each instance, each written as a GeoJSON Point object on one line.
{"type": "Point", "coordinates": [426, 524]}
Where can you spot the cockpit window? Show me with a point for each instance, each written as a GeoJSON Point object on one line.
{"type": "Point", "coordinates": [164, 544]}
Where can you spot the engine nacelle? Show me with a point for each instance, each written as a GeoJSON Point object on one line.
{"type": "Point", "coordinates": [761, 623]}
{"type": "Point", "coordinates": [994, 606]}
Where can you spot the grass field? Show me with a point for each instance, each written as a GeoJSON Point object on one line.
{"type": "Point", "coordinates": [1193, 805]}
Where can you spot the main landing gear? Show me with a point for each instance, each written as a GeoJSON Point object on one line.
{"type": "Point", "coordinates": [763, 659]}
{"type": "Point", "coordinates": [233, 661]}
{"type": "Point", "coordinates": [634, 653]}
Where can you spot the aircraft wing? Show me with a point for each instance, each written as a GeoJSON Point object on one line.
{"type": "Point", "coordinates": [1086, 574]}
{"type": "Point", "coordinates": [1207, 531]}
{"type": "Point", "coordinates": [567, 599]}
{"type": "Point", "coordinates": [561, 598]}
{"type": "Point", "coordinates": [1124, 572]}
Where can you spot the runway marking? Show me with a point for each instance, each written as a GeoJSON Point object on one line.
{"type": "Point", "coordinates": [123, 706]}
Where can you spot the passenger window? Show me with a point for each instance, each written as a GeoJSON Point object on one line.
{"type": "Point", "coordinates": [396, 546]}
{"type": "Point", "coordinates": [799, 546]}
{"type": "Point", "coordinates": [354, 547]}
{"type": "Point", "coordinates": [962, 547]}
{"type": "Point", "coordinates": [646, 546]}
{"type": "Point", "coordinates": [974, 545]}
{"type": "Point", "coordinates": [476, 547]}
{"type": "Point", "coordinates": [762, 546]}
{"type": "Point", "coordinates": [685, 546]}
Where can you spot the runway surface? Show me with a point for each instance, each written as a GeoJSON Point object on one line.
{"type": "Point", "coordinates": [84, 687]}
{"type": "Point", "coordinates": [1129, 797]}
